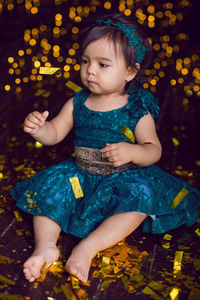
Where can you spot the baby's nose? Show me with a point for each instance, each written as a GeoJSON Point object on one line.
{"type": "Point", "coordinates": [91, 69]}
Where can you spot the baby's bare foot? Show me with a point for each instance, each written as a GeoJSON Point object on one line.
{"type": "Point", "coordinates": [79, 262]}
{"type": "Point", "coordinates": [45, 253]}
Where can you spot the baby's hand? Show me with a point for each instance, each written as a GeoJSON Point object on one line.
{"type": "Point", "coordinates": [118, 154]}
{"type": "Point", "coordinates": [34, 121]}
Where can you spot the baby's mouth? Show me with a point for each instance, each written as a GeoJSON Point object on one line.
{"type": "Point", "coordinates": [90, 82]}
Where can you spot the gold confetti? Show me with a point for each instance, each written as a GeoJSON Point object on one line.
{"type": "Point", "coordinates": [68, 292]}
{"type": "Point", "coordinates": [177, 262]}
{"type": "Point", "coordinates": [35, 285]}
{"type": "Point", "coordinates": [197, 231]}
{"type": "Point", "coordinates": [4, 296]}
{"type": "Point", "coordinates": [43, 93]}
{"type": "Point", "coordinates": [48, 71]}
{"type": "Point", "coordinates": [175, 142]}
{"type": "Point", "coordinates": [6, 280]}
{"type": "Point", "coordinates": [174, 293]}
{"type": "Point", "coordinates": [17, 216]}
{"type": "Point", "coordinates": [82, 295]}
{"type": "Point", "coordinates": [5, 260]}
{"type": "Point", "coordinates": [76, 187]}
{"type": "Point", "coordinates": [105, 261]}
{"type": "Point", "coordinates": [73, 86]}
{"type": "Point", "coordinates": [19, 168]}
{"type": "Point", "coordinates": [39, 92]}
{"type": "Point", "coordinates": [166, 245]}
{"type": "Point", "coordinates": [46, 94]}
{"type": "Point", "coordinates": [148, 291]}
{"type": "Point", "coordinates": [38, 144]}
{"type": "Point", "coordinates": [75, 282]}
{"type": "Point", "coordinates": [55, 268]}
{"type": "Point", "coordinates": [121, 261]}
{"type": "Point", "coordinates": [128, 133]}
{"type": "Point", "coordinates": [167, 237]}
{"type": "Point", "coordinates": [178, 198]}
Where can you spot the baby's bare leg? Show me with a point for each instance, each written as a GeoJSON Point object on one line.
{"type": "Point", "coordinates": [46, 232]}
{"type": "Point", "coordinates": [110, 232]}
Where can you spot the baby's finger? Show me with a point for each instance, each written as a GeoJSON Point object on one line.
{"type": "Point", "coordinates": [39, 116]}
{"type": "Point", "coordinates": [30, 129]}
{"type": "Point", "coordinates": [45, 114]}
{"type": "Point", "coordinates": [31, 125]}
{"type": "Point", "coordinates": [117, 164]}
{"type": "Point", "coordinates": [105, 154]}
{"type": "Point", "coordinates": [113, 158]}
{"type": "Point", "coordinates": [36, 118]}
{"type": "Point", "coordinates": [107, 148]}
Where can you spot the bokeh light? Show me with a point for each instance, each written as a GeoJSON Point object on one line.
{"type": "Point", "coordinates": [58, 44]}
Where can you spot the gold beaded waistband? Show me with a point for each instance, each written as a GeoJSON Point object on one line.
{"type": "Point", "coordinates": [91, 159]}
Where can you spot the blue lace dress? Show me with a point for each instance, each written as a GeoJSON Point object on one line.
{"type": "Point", "coordinates": [169, 202]}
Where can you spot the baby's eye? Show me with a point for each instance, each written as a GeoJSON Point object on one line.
{"type": "Point", "coordinates": [103, 65]}
{"type": "Point", "coordinates": [84, 61]}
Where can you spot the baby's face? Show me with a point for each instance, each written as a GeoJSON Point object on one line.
{"type": "Point", "coordinates": [103, 68]}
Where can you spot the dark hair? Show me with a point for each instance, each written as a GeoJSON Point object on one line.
{"type": "Point", "coordinates": [94, 32]}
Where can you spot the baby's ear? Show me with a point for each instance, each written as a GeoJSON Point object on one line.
{"type": "Point", "coordinates": [132, 71]}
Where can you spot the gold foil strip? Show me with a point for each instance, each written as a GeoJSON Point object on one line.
{"type": "Point", "coordinates": [82, 294]}
{"type": "Point", "coordinates": [128, 133]}
{"type": "Point", "coordinates": [5, 296]}
{"type": "Point", "coordinates": [73, 86]}
{"type": "Point", "coordinates": [166, 245]}
{"type": "Point", "coordinates": [76, 187]}
{"type": "Point", "coordinates": [174, 293]}
{"type": "Point", "coordinates": [68, 292]}
{"type": "Point", "coordinates": [19, 168]}
{"type": "Point", "coordinates": [167, 237]}
{"type": "Point", "coordinates": [177, 262]}
{"type": "Point", "coordinates": [48, 71]}
{"type": "Point", "coordinates": [178, 198]}
{"type": "Point", "coordinates": [197, 231]}
{"type": "Point", "coordinates": [75, 282]}
{"type": "Point", "coordinates": [42, 92]}
{"type": "Point", "coordinates": [39, 92]}
{"type": "Point", "coordinates": [6, 280]}
{"type": "Point", "coordinates": [5, 260]}
{"type": "Point", "coordinates": [175, 142]}
{"type": "Point", "coordinates": [148, 291]}
{"type": "Point", "coordinates": [105, 261]}
{"type": "Point", "coordinates": [17, 216]}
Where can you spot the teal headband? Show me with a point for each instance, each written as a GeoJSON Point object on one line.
{"type": "Point", "coordinates": [132, 39]}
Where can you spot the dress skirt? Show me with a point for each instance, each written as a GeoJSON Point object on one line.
{"type": "Point", "coordinates": [80, 201]}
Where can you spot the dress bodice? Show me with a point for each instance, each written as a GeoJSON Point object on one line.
{"type": "Point", "coordinates": [95, 128]}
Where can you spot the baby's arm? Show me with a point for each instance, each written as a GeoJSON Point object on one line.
{"type": "Point", "coordinates": [50, 132]}
{"type": "Point", "coordinates": [147, 150]}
